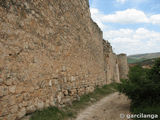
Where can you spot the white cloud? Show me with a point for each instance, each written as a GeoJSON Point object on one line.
{"type": "Point", "coordinates": [155, 19]}
{"type": "Point", "coordinates": [121, 1]}
{"type": "Point", "coordinates": [129, 16]}
{"type": "Point", "coordinates": [131, 41]}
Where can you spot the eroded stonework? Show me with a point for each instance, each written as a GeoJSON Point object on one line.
{"type": "Point", "coordinates": [51, 52]}
{"type": "Point", "coordinates": [111, 64]}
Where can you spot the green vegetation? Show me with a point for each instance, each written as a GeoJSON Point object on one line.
{"type": "Point", "coordinates": [142, 57]}
{"type": "Point", "coordinates": [143, 88]}
{"type": "Point", "coordinates": [54, 113]}
{"type": "Point", "coordinates": [135, 60]}
{"type": "Point", "coordinates": [142, 62]}
{"type": "Point", "coordinates": [147, 62]}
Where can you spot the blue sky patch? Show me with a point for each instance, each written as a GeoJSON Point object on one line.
{"type": "Point", "coordinates": [131, 26]}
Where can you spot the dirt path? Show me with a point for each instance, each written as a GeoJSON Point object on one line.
{"type": "Point", "coordinates": [108, 108]}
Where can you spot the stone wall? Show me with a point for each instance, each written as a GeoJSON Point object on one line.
{"type": "Point", "coordinates": [123, 66]}
{"type": "Point", "coordinates": [51, 52]}
{"type": "Point", "coordinates": [111, 64]}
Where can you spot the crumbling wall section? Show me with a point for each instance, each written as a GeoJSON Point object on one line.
{"type": "Point", "coordinates": [111, 64]}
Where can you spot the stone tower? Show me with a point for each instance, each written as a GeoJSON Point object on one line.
{"type": "Point", "coordinates": [123, 66]}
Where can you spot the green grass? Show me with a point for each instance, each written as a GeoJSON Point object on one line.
{"type": "Point", "coordinates": [51, 113]}
{"type": "Point", "coordinates": [54, 113]}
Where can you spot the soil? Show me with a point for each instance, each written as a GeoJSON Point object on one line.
{"type": "Point", "coordinates": [109, 108]}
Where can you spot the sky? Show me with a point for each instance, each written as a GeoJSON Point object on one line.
{"type": "Point", "coordinates": [131, 26]}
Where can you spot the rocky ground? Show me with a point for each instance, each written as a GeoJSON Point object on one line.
{"type": "Point", "coordinates": [108, 108]}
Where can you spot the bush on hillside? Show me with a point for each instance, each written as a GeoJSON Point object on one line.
{"type": "Point", "coordinates": [143, 88]}
{"type": "Point", "coordinates": [142, 85]}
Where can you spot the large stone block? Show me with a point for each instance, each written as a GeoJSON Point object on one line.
{"type": "Point", "coordinates": [12, 89]}
{"type": "Point", "coordinates": [30, 109]}
{"type": "Point", "coordinates": [3, 90]}
{"type": "Point", "coordinates": [21, 113]}
{"type": "Point", "coordinates": [14, 109]}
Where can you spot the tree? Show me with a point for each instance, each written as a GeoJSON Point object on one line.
{"type": "Point", "coordinates": [143, 85]}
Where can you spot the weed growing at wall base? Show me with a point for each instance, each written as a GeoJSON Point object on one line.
{"type": "Point", "coordinates": [54, 113]}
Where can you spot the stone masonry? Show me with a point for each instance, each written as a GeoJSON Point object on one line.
{"type": "Point", "coordinates": [123, 66]}
{"type": "Point", "coordinates": [111, 64]}
{"type": "Point", "coordinates": [51, 52]}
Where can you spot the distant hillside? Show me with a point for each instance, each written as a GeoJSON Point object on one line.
{"type": "Point", "coordinates": [141, 57]}
{"type": "Point", "coordinates": [145, 64]}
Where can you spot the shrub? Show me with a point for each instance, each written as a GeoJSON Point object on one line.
{"type": "Point", "coordinates": [143, 88]}
{"type": "Point", "coordinates": [135, 86]}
